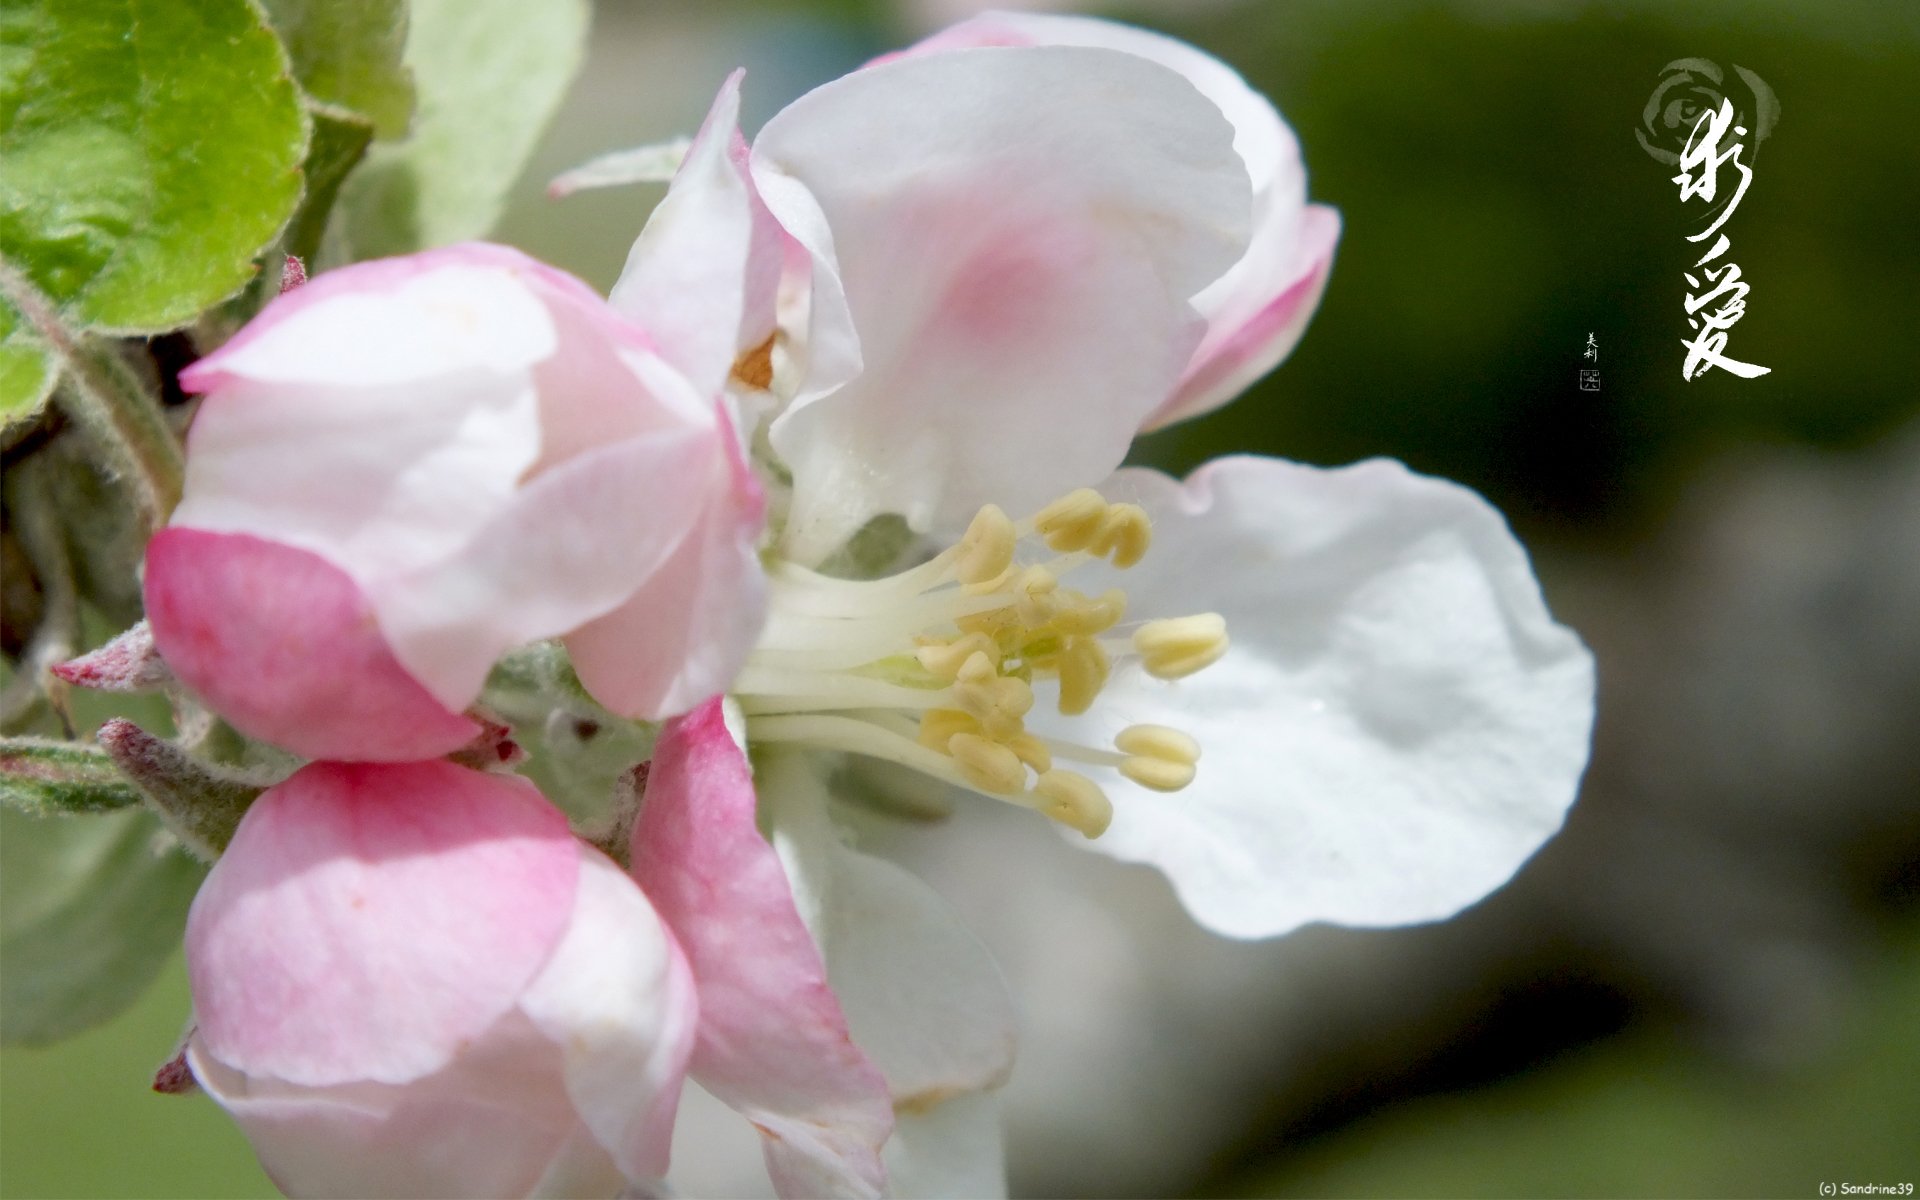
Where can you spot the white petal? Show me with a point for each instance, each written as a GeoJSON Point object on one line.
{"type": "Point", "coordinates": [684, 634]}
{"type": "Point", "coordinates": [576, 543]}
{"type": "Point", "coordinates": [953, 1149]}
{"type": "Point", "coordinates": [494, 1122]}
{"type": "Point", "coordinates": [392, 321]}
{"type": "Point", "coordinates": [373, 479]}
{"type": "Point", "coordinates": [922, 995]}
{"type": "Point", "coordinates": [1016, 244]}
{"type": "Point", "coordinates": [1260, 137]}
{"type": "Point", "coordinates": [1399, 723]}
{"type": "Point", "coordinates": [701, 277]}
{"type": "Point", "coordinates": [618, 999]}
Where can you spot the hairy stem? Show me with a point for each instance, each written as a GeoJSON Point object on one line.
{"type": "Point", "coordinates": [103, 395]}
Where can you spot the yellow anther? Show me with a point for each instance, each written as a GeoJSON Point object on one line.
{"type": "Point", "coordinates": [943, 660]}
{"type": "Point", "coordinates": [1179, 646]}
{"type": "Point", "coordinates": [1159, 757]}
{"type": "Point", "coordinates": [987, 765]}
{"type": "Point", "coordinates": [938, 725]}
{"type": "Point", "coordinates": [1013, 696]}
{"type": "Point", "coordinates": [1075, 801]}
{"type": "Point", "coordinates": [1083, 667]}
{"type": "Point", "coordinates": [1125, 533]}
{"type": "Point", "coordinates": [1036, 589]}
{"type": "Point", "coordinates": [1073, 521]}
{"type": "Point", "coordinates": [755, 367]}
{"type": "Point", "coordinates": [1087, 617]}
{"type": "Point", "coordinates": [977, 668]}
{"type": "Point", "coordinates": [1157, 773]}
{"type": "Point", "coordinates": [992, 623]}
{"type": "Point", "coordinates": [1158, 741]}
{"type": "Point", "coordinates": [1032, 751]}
{"type": "Point", "coordinates": [986, 549]}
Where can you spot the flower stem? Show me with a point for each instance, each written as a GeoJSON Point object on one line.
{"type": "Point", "coordinates": [109, 402]}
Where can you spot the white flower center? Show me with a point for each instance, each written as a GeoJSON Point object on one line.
{"type": "Point", "coordinates": [933, 668]}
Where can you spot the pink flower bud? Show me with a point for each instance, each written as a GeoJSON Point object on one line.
{"type": "Point", "coordinates": [405, 468]}
{"type": "Point", "coordinates": [412, 980]}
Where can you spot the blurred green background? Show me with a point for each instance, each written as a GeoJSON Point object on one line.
{"type": "Point", "coordinates": [1708, 985]}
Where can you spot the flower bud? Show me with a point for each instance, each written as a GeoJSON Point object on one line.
{"type": "Point", "coordinates": [412, 980]}
{"type": "Point", "coordinates": [391, 481]}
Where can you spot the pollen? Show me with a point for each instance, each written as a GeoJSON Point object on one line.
{"type": "Point", "coordinates": [936, 668]}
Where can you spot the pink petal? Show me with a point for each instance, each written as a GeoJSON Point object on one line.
{"type": "Point", "coordinates": [773, 1040]}
{"type": "Point", "coordinates": [284, 645]}
{"type": "Point", "coordinates": [1015, 247]}
{"type": "Point", "coordinates": [1258, 317]}
{"type": "Point", "coordinates": [369, 922]}
{"type": "Point", "coordinates": [683, 635]}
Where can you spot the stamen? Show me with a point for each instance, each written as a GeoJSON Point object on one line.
{"type": "Point", "coordinates": [1083, 668]}
{"type": "Point", "coordinates": [1158, 757]}
{"type": "Point", "coordinates": [986, 550]}
{"type": "Point", "coordinates": [944, 659]}
{"type": "Point", "coordinates": [1073, 521]}
{"type": "Point", "coordinates": [1179, 646]}
{"type": "Point", "coordinates": [933, 668]}
{"type": "Point", "coordinates": [1126, 533]}
{"type": "Point", "coordinates": [1075, 801]}
{"type": "Point", "coordinates": [938, 725]}
{"type": "Point", "coordinates": [988, 765]}
{"type": "Point", "coordinates": [1084, 617]}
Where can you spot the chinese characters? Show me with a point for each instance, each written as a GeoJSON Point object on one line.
{"type": "Point", "coordinates": [1714, 170]}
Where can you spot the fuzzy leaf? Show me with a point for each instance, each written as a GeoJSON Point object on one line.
{"type": "Point", "coordinates": [149, 150]}
{"type": "Point", "coordinates": [26, 369]}
{"type": "Point", "coordinates": [90, 909]}
{"type": "Point", "coordinates": [488, 75]}
{"type": "Point", "coordinates": [350, 54]}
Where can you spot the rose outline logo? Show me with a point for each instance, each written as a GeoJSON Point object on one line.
{"type": "Point", "coordinates": [1688, 89]}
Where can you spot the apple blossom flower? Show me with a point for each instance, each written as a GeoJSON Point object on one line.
{"type": "Point", "coordinates": [1390, 644]}
{"type": "Point", "coordinates": [1043, 250]}
{"type": "Point", "coordinates": [412, 980]}
{"type": "Point", "coordinates": [1060, 234]}
{"type": "Point", "coordinates": [404, 468]}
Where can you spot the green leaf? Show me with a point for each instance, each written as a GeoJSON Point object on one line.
{"type": "Point", "coordinates": [46, 778]}
{"type": "Point", "coordinates": [149, 149]}
{"type": "Point", "coordinates": [489, 75]}
{"type": "Point", "coordinates": [90, 909]}
{"type": "Point", "coordinates": [349, 54]}
{"type": "Point", "coordinates": [27, 372]}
